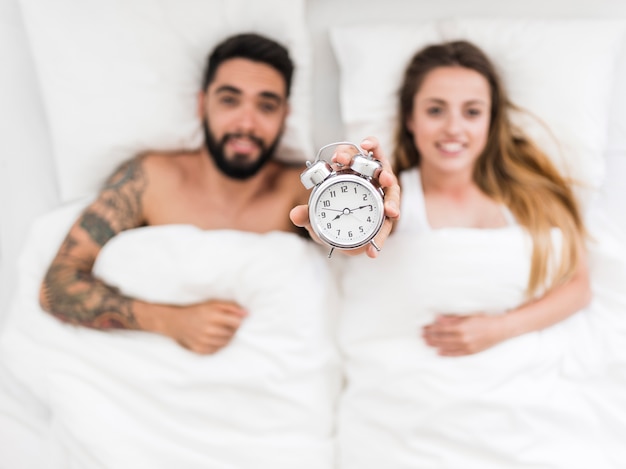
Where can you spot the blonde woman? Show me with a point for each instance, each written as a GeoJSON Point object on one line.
{"type": "Point", "coordinates": [459, 339]}
{"type": "Point", "coordinates": [463, 164]}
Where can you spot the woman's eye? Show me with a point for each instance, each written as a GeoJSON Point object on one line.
{"type": "Point", "coordinates": [434, 111]}
{"type": "Point", "coordinates": [474, 112]}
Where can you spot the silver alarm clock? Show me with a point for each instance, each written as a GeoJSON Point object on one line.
{"type": "Point", "coordinates": [346, 204]}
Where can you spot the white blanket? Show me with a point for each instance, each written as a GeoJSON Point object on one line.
{"type": "Point", "coordinates": [543, 400]}
{"type": "Point", "coordinates": [75, 398]}
{"type": "Point", "coordinates": [136, 400]}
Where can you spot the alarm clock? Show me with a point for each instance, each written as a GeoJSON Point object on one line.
{"type": "Point", "coordinates": [346, 208]}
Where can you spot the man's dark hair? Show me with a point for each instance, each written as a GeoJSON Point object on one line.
{"type": "Point", "coordinates": [253, 47]}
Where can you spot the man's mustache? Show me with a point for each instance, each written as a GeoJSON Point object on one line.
{"type": "Point", "coordinates": [255, 139]}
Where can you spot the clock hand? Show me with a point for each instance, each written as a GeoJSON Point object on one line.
{"type": "Point", "coordinates": [359, 208]}
{"type": "Point", "coordinates": [352, 212]}
{"type": "Point", "coordinates": [345, 211]}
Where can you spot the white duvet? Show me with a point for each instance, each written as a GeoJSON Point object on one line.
{"type": "Point", "coordinates": [550, 399]}
{"type": "Point", "coordinates": [76, 398]}
{"type": "Point", "coordinates": [136, 400]}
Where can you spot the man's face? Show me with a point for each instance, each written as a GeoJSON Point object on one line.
{"type": "Point", "coordinates": [245, 108]}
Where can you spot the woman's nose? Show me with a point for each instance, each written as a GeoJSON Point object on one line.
{"type": "Point", "coordinates": [453, 123]}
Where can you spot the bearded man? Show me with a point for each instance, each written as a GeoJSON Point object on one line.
{"type": "Point", "coordinates": [233, 182]}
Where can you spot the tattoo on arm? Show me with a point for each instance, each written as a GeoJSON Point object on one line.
{"type": "Point", "coordinates": [124, 189]}
{"type": "Point", "coordinates": [76, 297]}
{"type": "Point", "coordinates": [119, 206]}
{"type": "Point", "coordinates": [69, 291]}
{"type": "Point", "coordinates": [99, 228]}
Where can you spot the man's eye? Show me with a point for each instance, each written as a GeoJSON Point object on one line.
{"type": "Point", "coordinates": [228, 100]}
{"type": "Point", "coordinates": [268, 107]}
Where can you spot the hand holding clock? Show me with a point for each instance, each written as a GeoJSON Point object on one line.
{"type": "Point", "coordinates": [389, 184]}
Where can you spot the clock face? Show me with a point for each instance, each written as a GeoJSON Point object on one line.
{"type": "Point", "coordinates": [346, 211]}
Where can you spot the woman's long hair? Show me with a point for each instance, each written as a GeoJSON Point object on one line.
{"type": "Point", "coordinates": [511, 169]}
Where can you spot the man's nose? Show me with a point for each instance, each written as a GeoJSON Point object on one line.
{"type": "Point", "coordinates": [246, 120]}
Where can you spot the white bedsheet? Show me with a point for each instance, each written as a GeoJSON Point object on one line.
{"type": "Point", "coordinates": [132, 399]}
{"type": "Point", "coordinates": [550, 399]}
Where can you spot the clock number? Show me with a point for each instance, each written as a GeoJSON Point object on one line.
{"type": "Point", "coordinates": [323, 214]}
{"type": "Point", "coordinates": [338, 232]}
{"type": "Point", "coordinates": [364, 196]}
{"type": "Point", "coordinates": [344, 189]}
{"type": "Point", "coordinates": [326, 203]}
{"type": "Point", "coordinates": [349, 234]}
{"type": "Point", "coordinates": [361, 230]}
{"type": "Point", "coordinates": [333, 194]}
{"type": "Point", "coordinates": [369, 219]}
{"type": "Point", "coordinates": [329, 226]}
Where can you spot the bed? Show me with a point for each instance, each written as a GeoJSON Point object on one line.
{"type": "Point", "coordinates": [87, 84]}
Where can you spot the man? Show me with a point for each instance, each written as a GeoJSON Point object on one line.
{"type": "Point", "coordinates": [230, 183]}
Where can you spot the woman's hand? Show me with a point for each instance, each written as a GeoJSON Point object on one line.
{"type": "Point", "coordinates": [455, 336]}
{"type": "Point", "coordinates": [388, 182]}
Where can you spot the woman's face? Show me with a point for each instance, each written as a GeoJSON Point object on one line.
{"type": "Point", "coordinates": [450, 120]}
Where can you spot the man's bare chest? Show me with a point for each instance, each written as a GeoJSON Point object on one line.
{"type": "Point", "coordinates": [270, 214]}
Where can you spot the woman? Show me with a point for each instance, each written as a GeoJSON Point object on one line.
{"type": "Point", "coordinates": [455, 140]}
{"type": "Point", "coordinates": [488, 253]}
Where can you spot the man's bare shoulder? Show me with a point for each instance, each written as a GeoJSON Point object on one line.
{"type": "Point", "coordinates": [290, 172]}
{"type": "Point", "coordinates": [286, 178]}
{"type": "Point", "coordinates": [170, 161]}
{"type": "Point", "coordinates": [172, 167]}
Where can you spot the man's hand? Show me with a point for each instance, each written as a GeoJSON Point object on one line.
{"type": "Point", "coordinates": [388, 182]}
{"type": "Point", "coordinates": [203, 328]}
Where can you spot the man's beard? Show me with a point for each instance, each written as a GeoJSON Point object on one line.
{"type": "Point", "coordinates": [238, 167]}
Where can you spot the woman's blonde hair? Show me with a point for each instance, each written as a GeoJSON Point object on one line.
{"type": "Point", "coordinates": [511, 168]}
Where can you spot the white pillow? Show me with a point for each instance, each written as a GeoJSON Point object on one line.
{"type": "Point", "coordinates": [120, 77]}
{"type": "Point", "coordinates": [562, 71]}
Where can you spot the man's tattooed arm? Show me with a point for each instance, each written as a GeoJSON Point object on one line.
{"type": "Point", "coordinates": [69, 290]}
